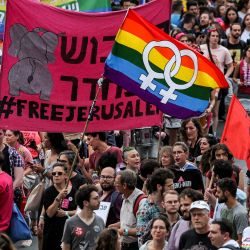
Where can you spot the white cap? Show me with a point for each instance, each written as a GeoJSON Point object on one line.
{"type": "Point", "coordinates": [200, 205]}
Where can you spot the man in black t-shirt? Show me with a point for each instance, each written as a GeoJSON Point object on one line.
{"type": "Point", "coordinates": [197, 238]}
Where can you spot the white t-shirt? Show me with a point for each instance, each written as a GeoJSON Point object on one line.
{"type": "Point", "coordinates": [221, 56]}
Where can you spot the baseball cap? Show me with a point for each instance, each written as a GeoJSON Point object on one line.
{"type": "Point", "coordinates": [200, 205]}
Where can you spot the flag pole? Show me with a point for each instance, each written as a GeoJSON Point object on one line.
{"type": "Point", "coordinates": [159, 141]}
{"type": "Point", "coordinates": [90, 116]}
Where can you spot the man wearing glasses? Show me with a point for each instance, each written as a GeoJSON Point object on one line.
{"type": "Point", "coordinates": [109, 194]}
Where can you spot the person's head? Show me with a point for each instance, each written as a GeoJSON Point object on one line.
{"type": "Point", "coordinates": [107, 159]}
{"type": "Point", "coordinates": [125, 181]}
{"type": "Point", "coordinates": [161, 181]}
{"type": "Point", "coordinates": [166, 156]}
{"type": "Point", "coordinates": [108, 239]}
{"type": "Point", "coordinates": [220, 152]}
{"type": "Point", "coordinates": [207, 142]}
{"type": "Point", "coordinates": [235, 30]}
{"type": "Point", "coordinates": [55, 141]}
{"type": "Point", "coordinates": [189, 19]}
{"type": "Point", "coordinates": [59, 173]}
{"type": "Point", "coordinates": [2, 133]}
{"type": "Point", "coordinates": [107, 178]}
{"type": "Point", "coordinates": [246, 22]}
{"type": "Point", "coordinates": [230, 3]}
{"type": "Point", "coordinates": [247, 52]}
{"type": "Point", "coordinates": [243, 5]}
{"type": "Point", "coordinates": [131, 158]}
{"type": "Point", "coordinates": [182, 37]}
{"type": "Point", "coordinates": [129, 3]}
{"type": "Point", "coordinates": [174, 32]}
{"type": "Point", "coordinates": [191, 129]}
{"type": "Point", "coordinates": [13, 136]}
{"type": "Point", "coordinates": [231, 16]}
{"type": "Point", "coordinates": [221, 10]}
{"type": "Point", "coordinates": [6, 243]}
{"type": "Point", "coordinates": [87, 197]}
{"type": "Point", "coordinates": [226, 189]}
{"type": "Point", "coordinates": [220, 232]}
{"type": "Point", "coordinates": [192, 7]}
{"type": "Point", "coordinates": [171, 202]}
{"type": "Point", "coordinates": [213, 36]}
{"type": "Point", "coordinates": [199, 211]}
{"type": "Point", "coordinates": [204, 19]}
{"type": "Point", "coordinates": [148, 166]}
{"type": "Point", "coordinates": [187, 196]}
{"type": "Point", "coordinates": [222, 169]}
{"type": "Point", "coordinates": [180, 153]}
{"type": "Point", "coordinates": [67, 157]}
{"type": "Point", "coordinates": [96, 139]}
{"type": "Point", "coordinates": [160, 228]}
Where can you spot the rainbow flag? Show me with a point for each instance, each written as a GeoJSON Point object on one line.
{"type": "Point", "coordinates": [160, 70]}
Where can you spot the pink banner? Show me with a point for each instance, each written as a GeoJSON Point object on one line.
{"type": "Point", "coordinates": [51, 63]}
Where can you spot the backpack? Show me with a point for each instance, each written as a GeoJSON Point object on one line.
{"type": "Point", "coordinates": [137, 203]}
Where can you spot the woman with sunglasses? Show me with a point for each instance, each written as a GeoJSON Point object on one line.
{"type": "Point", "coordinates": [67, 157]}
{"type": "Point", "coordinates": [59, 205]}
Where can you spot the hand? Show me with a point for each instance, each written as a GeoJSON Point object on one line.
{"type": "Point", "coordinates": [38, 168]}
{"type": "Point", "coordinates": [61, 213]}
{"type": "Point", "coordinates": [121, 231]}
{"type": "Point", "coordinates": [40, 227]}
{"type": "Point", "coordinates": [62, 194]}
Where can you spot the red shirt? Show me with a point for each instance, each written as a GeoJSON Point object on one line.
{"type": "Point", "coordinates": [6, 200]}
{"type": "Point", "coordinates": [94, 157]}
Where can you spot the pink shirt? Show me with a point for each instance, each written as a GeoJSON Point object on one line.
{"type": "Point", "coordinates": [6, 200]}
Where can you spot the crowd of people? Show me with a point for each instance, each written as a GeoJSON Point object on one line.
{"type": "Point", "coordinates": [173, 187]}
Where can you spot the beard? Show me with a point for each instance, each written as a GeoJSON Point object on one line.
{"type": "Point", "coordinates": [222, 199]}
{"type": "Point", "coordinates": [107, 187]}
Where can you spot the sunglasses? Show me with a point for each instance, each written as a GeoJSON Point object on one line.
{"type": "Point", "coordinates": [57, 173]}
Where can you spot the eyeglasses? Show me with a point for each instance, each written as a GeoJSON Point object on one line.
{"type": "Point", "coordinates": [109, 178]}
{"type": "Point", "coordinates": [57, 173]}
{"type": "Point", "coordinates": [62, 161]}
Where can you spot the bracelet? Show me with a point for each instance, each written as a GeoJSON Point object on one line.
{"type": "Point", "coordinates": [41, 217]}
{"type": "Point", "coordinates": [125, 232]}
{"type": "Point", "coordinates": [67, 214]}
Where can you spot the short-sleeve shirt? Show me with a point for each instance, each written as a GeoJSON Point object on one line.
{"type": "Point", "coordinates": [221, 56]}
{"type": "Point", "coordinates": [237, 216]}
{"type": "Point", "coordinates": [127, 218]}
{"type": "Point", "coordinates": [80, 235]}
{"type": "Point", "coordinates": [6, 200]}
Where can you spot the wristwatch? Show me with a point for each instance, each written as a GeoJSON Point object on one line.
{"type": "Point", "coordinates": [125, 232]}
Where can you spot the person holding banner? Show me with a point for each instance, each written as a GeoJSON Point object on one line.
{"type": "Point", "coordinates": [59, 204]}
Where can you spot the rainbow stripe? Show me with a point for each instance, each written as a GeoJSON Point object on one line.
{"type": "Point", "coordinates": [125, 65]}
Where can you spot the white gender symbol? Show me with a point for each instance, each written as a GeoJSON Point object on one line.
{"type": "Point", "coordinates": [168, 71]}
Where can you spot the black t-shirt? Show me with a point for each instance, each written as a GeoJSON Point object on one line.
{"type": "Point", "coordinates": [53, 227]}
{"type": "Point", "coordinates": [191, 240]}
{"type": "Point", "coordinates": [190, 177]}
{"type": "Point", "coordinates": [77, 181]}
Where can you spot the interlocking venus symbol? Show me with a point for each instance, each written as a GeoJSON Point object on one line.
{"type": "Point", "coordinates": [167, 74]}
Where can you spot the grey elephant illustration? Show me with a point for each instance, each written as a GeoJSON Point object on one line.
{"type": "Point", "coordinates": [34, 50]}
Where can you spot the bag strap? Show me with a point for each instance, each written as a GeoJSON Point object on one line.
{"type": "Point", "coordinates": [137, 203]}
{"type": "Point", "coordinates": [231, 247]}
